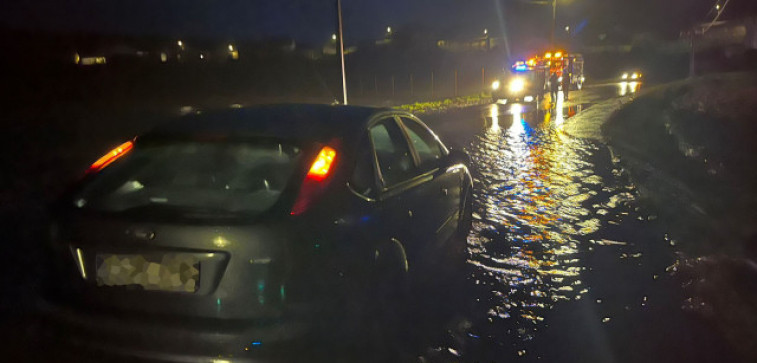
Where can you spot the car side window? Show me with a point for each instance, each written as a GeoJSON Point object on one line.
{"type": "Point", "coordinates": [363, 178]}
{"type": "Point", "coordinates": [424, 142]}
{"type": "Point", "coordinates": [394, 158]}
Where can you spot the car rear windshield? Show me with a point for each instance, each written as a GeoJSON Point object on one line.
{"type": "Point", "coordinates": [202, 178]}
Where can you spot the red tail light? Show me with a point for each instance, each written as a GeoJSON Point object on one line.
{"type": "Point", "coordinates": [322, 164]}
{"type": "Point", "coordinates": [315, 180]}
{"type": "Point", "coordinates": [110, 157]}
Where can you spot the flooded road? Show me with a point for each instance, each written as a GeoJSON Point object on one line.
{"type": "Point", "coordinates": [565, 265]}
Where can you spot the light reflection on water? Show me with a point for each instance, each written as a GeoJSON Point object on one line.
{"type": "Point", "coordinates": [536, 200]}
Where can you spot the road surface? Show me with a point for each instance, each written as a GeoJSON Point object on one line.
{"type": "Point", "coordinates": [564, 263]}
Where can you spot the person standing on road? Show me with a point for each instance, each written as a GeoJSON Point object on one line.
{"type": "Point", "coordinates": [554, 87]}
{"type": "Point", "coordinates": [567, 76]}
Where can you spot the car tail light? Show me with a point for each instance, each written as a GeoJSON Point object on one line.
{"type": "Point", "coordinates": [110, 157]}
{"type": "Point", "coordinates": [322, 164]}
{"type": "Point", "coordinates": [316, 180]}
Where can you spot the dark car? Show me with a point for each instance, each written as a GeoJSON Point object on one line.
{"type": "Point", "coordinates": [519, 87]}
{"type": "Point", "coordinates": [231, 231]}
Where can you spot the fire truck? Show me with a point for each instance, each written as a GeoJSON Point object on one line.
{"type": "Point", "coordinates": [526, 81]}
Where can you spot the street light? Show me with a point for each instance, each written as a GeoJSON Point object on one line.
{"type": "Point", "coordinates": [180, 43]}
{"type": "Point", "coordinates": [389, 30]}
{"type": "Point", "coordinates": [231, 47]}
{"type": "Point", "coordinates": [340, 46]}
{"type": "Point", "coordinates": [554, 20]}
{"type": "Point", "coordinates": [333, 37]}
{"type": "Point", "coordinates": [486, 31]}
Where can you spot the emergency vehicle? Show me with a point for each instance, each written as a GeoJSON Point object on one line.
{"type": "Point", "coordinates": [526, 81]}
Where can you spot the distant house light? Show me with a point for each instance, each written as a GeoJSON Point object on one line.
{"type": "Point", "coordinates": [163, 57]}
{"type": "Point", "coordinates": [89, 61]}
{"type": "Point", "coordinates": [231, 47]}
{"type": "Point", "coordinates": [202, 56]}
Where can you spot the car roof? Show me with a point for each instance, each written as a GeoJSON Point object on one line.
{"type": "Point", "coordinates": [309, 122]}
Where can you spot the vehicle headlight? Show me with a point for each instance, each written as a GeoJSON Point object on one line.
{"type": "Point", "coordinates": [517, 85]}
{"type": "Point", "coordinates": [624, 76]}
{"type": "Point", "coordinates": [495, 85]}
{"type": "Point", "coordinates": [634, 76]}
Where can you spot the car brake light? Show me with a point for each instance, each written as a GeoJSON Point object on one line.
{"type": "Point", "coordinates": [322, 164]}
{"type": "Point", "coordinates": [110, 157]}
{"type": "Point", "coordinates": [315, 180]}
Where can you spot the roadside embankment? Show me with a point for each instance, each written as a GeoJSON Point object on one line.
{"type": "Point", "coordinates": [690, 147]}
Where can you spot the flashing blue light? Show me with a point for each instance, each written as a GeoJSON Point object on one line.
{"type": "Point", "coordinates": [521, 68]}
{"type": "Point", "coordinates": [256, 343]}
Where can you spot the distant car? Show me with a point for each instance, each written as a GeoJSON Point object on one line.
{"type": "Point", "coordinates": [631, 76]}
{"type": "Point", "coordinates": [227, 230]}
{"type": "Point", "coordinates": [525, 86]}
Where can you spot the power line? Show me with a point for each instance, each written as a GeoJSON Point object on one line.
{"type": "Point", "coordinates": [720, 10]}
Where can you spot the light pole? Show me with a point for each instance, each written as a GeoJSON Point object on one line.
{"type": "Point", "coordinates": [554, 22]}
{"type": "Point", "coordinates": [341, 48]}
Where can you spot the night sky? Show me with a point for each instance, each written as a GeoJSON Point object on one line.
{"type": "Point", "coordinates": [313, 20]}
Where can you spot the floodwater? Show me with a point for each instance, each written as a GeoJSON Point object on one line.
{"type": "Point", "coordinates": [564, 263]}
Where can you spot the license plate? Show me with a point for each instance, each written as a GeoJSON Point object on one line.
{"type": "Point", "coordinates": [176, 272]}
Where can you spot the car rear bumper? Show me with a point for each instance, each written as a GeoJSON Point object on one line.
{"type": "Point", "coordinates": [528, 98]}
{"type": "Point", "coordinates": [105, 336]}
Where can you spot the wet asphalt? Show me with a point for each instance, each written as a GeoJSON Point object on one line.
{"type": "Point", "coordinates": [565, 263]}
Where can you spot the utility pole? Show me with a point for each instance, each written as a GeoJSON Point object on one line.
{"type": "Point", "coordinates": [554, 22]}
{"type": "Point", "coordinates": [341, 48]}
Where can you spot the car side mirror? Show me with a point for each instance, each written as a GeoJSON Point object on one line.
{"type": "Point", "coordinates": [456, 156]}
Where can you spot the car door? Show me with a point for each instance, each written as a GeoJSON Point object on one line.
{"type": "Point", "coordinates": [398, 177]}
{"type": "Point", "coordinates": [441, 193]}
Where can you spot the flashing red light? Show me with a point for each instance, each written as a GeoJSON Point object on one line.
{"type": "Point", "coordinates": [315, 181]}
{"type": "Point", "coordinates": [110, 157]}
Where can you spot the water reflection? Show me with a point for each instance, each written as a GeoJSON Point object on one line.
{"type": "Point", "coordinates": [625, 88]}
{"type": "Point", "coordinates": [533, 205]}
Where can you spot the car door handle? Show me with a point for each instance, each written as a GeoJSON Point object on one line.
{"type": "Point", "coordinates": [445, 191]}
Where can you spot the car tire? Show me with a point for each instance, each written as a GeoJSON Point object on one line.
{"type": "Point", "coordinates": [466, 214]}
{"type": "Point", "coordinates": [388, 299]}
{"type": "Point", "coordinates": [457, 252]}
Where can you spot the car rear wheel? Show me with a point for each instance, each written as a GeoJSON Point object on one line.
{"type": "Point", "coordinates": [387, 306]}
